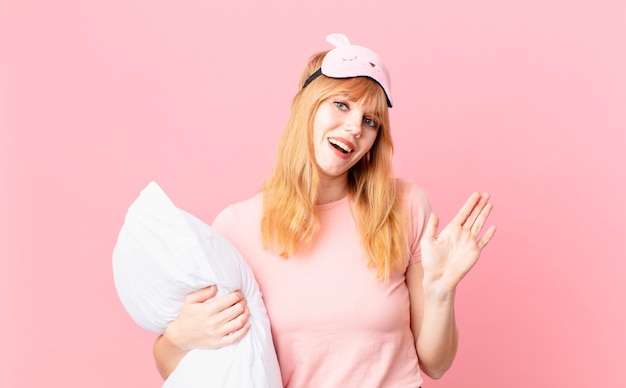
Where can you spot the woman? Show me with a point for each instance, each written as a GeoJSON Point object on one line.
{"type": "Point", "coordinates": [358, 284]}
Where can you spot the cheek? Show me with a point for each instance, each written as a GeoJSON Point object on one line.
{"type": "Point", "coordinates": [319, 125]}
{"type": "Point", "coordinates": [369, 139]}
{"type": "Point", "coordinates": [323, 119]}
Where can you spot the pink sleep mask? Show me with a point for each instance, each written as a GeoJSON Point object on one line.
{"type": "Point", "coordinates": [347, 61]}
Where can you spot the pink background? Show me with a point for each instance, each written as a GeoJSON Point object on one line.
{"type": "Point", "coordinates": [525, 99]}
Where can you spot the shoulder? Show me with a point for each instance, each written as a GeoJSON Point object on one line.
{"type": "Point", "coordinates": [239, 213]}
{"type": "Point", "coordinates": [414, 197]}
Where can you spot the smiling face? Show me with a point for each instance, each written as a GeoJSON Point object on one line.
{"type": "Point", "coordinates": [344, 130]}
{"type": "Point", "coordinates": [323, 149]}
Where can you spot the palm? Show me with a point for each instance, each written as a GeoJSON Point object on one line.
{"type": "Point", "coordinates": [448, 256]}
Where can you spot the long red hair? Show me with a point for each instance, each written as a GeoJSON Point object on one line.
{"type": "Point", "coordinates": [290, 218]}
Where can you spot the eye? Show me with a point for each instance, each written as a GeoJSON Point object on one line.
{"type": "Point", "coordinates": [371, 122]}
{"type": "Point", "coordinates": [340, 105]}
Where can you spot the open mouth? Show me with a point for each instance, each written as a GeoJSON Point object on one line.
{"type": "Point", "coordinates": [340, 146]}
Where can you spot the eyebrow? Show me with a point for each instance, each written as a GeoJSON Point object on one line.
{"type": "Point", "coordinates": [369, 112]}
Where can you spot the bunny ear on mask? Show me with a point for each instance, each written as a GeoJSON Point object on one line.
{"type": "Point", "coordinates": [348, 61]}
{"type": "Point", "coordinates": [338, 40]}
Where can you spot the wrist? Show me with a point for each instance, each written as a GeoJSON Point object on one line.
{"type": "Point", "coordinates": [173, 340]}
{"type": "Point", "coordinates": [437, 291]}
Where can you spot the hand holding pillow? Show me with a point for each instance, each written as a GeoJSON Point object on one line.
{"type": "Point", "coordinates": [163, 254]}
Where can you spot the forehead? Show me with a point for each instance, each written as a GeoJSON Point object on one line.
{"type": "Point", "coordinates": [365, 91]}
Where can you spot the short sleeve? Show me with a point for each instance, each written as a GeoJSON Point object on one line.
{"type": "Point", "coordinates": [223, 222]}
{"type": "Point", "coordinates": [418, 209]}
{"type": "Point", "coordinates": [239, 222]}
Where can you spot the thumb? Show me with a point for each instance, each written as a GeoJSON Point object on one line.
{"type": "Point", "coordinates": [201, 295]}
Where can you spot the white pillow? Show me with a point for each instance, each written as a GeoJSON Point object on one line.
{"type": "Point", "coordinates": [162, 254]}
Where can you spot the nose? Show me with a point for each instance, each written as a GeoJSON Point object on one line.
{"type": "Point", "coordinates": [353, 123]}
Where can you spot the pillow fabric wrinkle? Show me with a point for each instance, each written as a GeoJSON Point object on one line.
{"type": "Point", "coordinates": [162, 254]}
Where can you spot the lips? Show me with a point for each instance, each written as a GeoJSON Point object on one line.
{"type": "Point", "coordinates": [342, 145]}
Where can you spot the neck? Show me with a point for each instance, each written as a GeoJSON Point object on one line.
{"type": "Point", "coordinates": [331, 190]}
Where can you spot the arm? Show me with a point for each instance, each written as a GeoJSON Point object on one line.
{"type": "Point", "coordinates": [202, 324]}
{"type": "Point", "coordinates": [432, 323]}
{"type": "Point", "coordinates": [446, 258]}
{"type": "Point", "coordinates": [167, 355]}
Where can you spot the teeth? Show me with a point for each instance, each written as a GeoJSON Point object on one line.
{"type": "Point", "coordinates": [339, 144]}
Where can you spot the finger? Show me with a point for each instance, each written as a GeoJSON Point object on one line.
{"type": "Point", "coordinates": [231, 329]}
{"type": "Point", "coordinates": [225, 301]}
{"type": "Point", "coordinates": [477, 210]}
{"type": "Point", "coordinates": [431, 227]}
{"type": "Point", "coordinates": [466, 209]}
{"type": "Point", "coordinates": [201, 295]}
{"type": "Point", "coordinates": [237, 322]}
{"type": "Point", "coordinates": [481, 219]}
{"type": "Point", "coordinates": [235, 336]}
{"type": "Point", "coordinates": [228, 313]}
{"type": "Point", "coordinates": [487, 237]}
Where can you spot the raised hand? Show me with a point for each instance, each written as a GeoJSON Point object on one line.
{"type": "Point", "coordinates": [448, 256]}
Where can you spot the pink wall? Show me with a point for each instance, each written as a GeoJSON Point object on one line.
{"type": "Point", "coordinates": [524, 99]}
